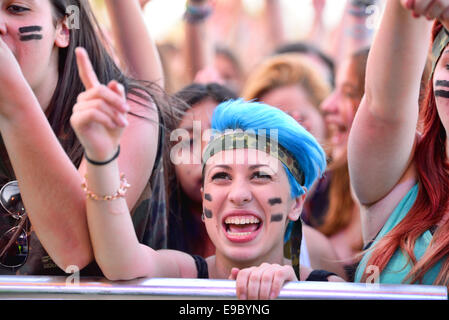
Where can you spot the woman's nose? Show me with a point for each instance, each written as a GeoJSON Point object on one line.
{"type": "Point", "coordinates": [240, 193]}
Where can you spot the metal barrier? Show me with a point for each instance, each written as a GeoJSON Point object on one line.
{"type": "Point", "coordinates": [42, 287]}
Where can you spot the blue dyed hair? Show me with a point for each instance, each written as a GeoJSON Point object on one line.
{"type": "Point", "coordinates": [244, 115]}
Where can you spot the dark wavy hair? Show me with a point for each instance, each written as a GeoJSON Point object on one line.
{"type": "Point", "coordinates": [69, 85]}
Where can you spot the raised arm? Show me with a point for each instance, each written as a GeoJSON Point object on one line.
{"type": "Point", "coordinates": [136, 48]}
{"type": "Point", "coordinates": [383, 134]}
{"type": "Point", "coordinates": [275, 22]}
{"type": "Point", "coordinates": [198, 43]}
{"type": "Point", "coordinates": [116, 247]}
{"type": "Point", "coordinates": [356, 28]}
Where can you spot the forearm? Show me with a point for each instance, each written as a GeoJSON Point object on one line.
{"type": "Point", "coordinates": [117, 249]}
{"type": "Point", "coordinates": [360, 24]}
{"type": "Point", "coordinates": [49, 184]}
{"type": "Point", "coordinates": [199, 47]}
{"type": "Point", "coordinates": [111, 230]}
{"type": "Point", "coordinates": [136, 47]}
{"type": "Point", "coordinates": [275, 22]}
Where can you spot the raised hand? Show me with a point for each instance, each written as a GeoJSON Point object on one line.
{"type": "Point", "coordinates": [431, 9]}
{"type": "Point", "coordinates": [263, 282]}
{"type": "Point", "coordinates": [99, 116]}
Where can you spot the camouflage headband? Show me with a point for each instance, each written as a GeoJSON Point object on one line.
{"type": "Point", "coordinates": [440, 42]}
{"type": "Point", "coordinates": [244, 140]}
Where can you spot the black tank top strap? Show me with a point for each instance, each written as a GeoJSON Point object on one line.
{"type": "Point", "coordinates": [201, 266]}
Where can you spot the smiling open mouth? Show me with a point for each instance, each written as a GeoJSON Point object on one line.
{"type": "Point", "coordinates": [242, 228]}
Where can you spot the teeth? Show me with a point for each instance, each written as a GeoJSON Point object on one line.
{"type": "Point", "coordinates": [241, 234]}
{"type": "Point", "coordinates": [236, 220]}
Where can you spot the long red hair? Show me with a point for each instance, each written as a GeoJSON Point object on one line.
{"type": "Point", "coordinates": [431, 203]}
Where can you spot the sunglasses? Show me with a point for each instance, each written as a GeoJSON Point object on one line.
{"type": "Point", "coordinates": [14, 242]}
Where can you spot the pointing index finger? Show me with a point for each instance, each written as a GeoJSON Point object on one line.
{"type": "Point", "coordinates": [85, 69]}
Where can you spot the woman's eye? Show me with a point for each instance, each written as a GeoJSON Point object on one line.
{"type": "Point", "coordinates": [17, 9]}
{"type": "Point", "coordinates": [221, 176]}
{"type": "Point", "coordinates": [261, 175]}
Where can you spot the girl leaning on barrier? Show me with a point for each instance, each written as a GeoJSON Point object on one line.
{"type": "Point", "coordinates": [250, 202]}
{"type": "Point", "coordinates": [40, 86]}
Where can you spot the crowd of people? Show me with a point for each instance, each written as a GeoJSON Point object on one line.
{"type": "Point", "coordinates": [315, 161]}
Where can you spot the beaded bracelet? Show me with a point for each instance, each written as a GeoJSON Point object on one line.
{"type": "Point", "coordinates": [120, 193]}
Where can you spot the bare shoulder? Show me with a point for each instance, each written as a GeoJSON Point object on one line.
{"type": "Point", "coordinates": [142, 104]}
{"type": "Point", "coordinates": [318, 243]}
{"type": "Point", "coordinates": [321, 252]}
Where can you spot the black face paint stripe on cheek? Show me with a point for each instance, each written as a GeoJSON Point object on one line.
{"type": "Point", "coordinates": [277, 217]}
{"type": "Point", "coordinates": [274, 201]}
{"type": "Point", "coordinates": [442, 93]}
{"type": "Point", "coordinates": [208, 197]}
{"type": "Point", "coordinates": [30, 29]}
{"type": "Point", "coordinates": [31, 37]}
{"type": "Point", "coordinates": [207, 213]}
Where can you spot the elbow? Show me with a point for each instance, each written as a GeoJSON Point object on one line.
{"type": "Point", "coordinates": [114, 273]}
{"type": "Point", "coordinates": [74, 260]}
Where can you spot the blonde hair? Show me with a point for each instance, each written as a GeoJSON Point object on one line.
{"type": "Point", "coordinates": [283, 70]}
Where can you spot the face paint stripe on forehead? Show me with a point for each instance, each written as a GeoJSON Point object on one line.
{"type": "Point", "coordinates": [274, 201]}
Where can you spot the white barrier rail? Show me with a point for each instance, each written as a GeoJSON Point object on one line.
{"type": "Point", "coordinates": [42, 287]}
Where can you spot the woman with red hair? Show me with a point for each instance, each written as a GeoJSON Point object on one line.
{"type": "Point", "coordinates": [400, 174]}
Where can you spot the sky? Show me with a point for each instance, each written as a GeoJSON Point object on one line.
{"type": "Point", "coordinates": [162, 15]}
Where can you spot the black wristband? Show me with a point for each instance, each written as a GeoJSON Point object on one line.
{"type": "Point", "coordinates": [102, 163]}
{"type": "Point", "coordinates": [319, 275]}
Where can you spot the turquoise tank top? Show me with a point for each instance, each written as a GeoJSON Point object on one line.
{"type": "Point", "coordinates": [398, 267]}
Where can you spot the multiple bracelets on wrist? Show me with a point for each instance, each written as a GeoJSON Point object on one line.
{"type": "Point", "coordinates": [358, 7]}
{"type": "Point", "coordinates": [120, 193]}
{"type": "Point", "coordinates": [197, 11]}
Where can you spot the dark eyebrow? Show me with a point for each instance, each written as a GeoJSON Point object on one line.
{"type": "Point", "coordinates": [258, 166]}
{"type": "Point", "coordinates": [223, 166]}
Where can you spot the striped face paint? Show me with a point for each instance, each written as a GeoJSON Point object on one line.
{"type": "Point", "coordinates": [207, 213]}
{"type": "Point", "coordinates": [440, 92]}
{"type": "Point", "coordinates": [208, 197]}
{"type": "Point", "coordinates": [277, 217]}
{"type": "Point", "coordinates": [30, 33]}
{"type": "Point", "coordinates": [274, 201]}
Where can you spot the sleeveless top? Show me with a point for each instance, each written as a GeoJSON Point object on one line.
{"type": "Point", "coordinates": [148, 216]}
{"type": "Point", "coordinates": [398, 267]}
{"type": "Point", "coordinates": [203, 271]}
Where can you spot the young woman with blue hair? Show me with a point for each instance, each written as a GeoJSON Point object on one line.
{"type": "Point", "coordinates": [257, 168]}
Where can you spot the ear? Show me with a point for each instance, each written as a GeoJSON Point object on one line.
{"type": "Point", "coordinates": [297, 205]}
{"type": "Point", "coordinates": [202, 192]}
{"type": "Point", "coordinates": [62, 39]}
